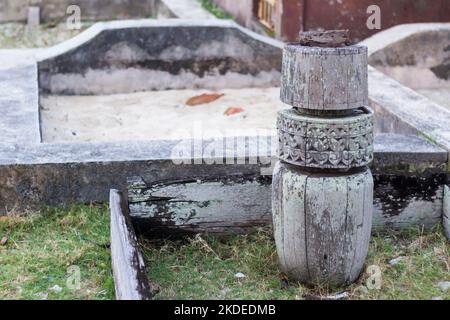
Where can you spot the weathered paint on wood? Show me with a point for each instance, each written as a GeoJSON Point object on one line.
{"type": "Point", "coordinates": [130, 278]}
{"type": "Point", "coordinates": [226, 205]}
{"type": "Point", "coordinates": [324, 78]}
{"type": "Point", "coordinates": [285, 240]}
{"type": "Point", "coordinates": [322, 223]}
{"type": "Point", "coordinates": [393, 208]}
{"type": "Point", "coordinates": [446, 215]}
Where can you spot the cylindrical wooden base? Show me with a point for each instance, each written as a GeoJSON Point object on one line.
{"type": "Point", "coordinates": [322, 223]}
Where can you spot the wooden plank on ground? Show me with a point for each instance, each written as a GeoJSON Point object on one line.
{"type": "Point", "coordinates": [130, 278]}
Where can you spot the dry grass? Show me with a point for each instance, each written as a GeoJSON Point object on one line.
{"type": "Point", "coordinates": [41, 247]}
{"type": "Point", "coordinates": [205, 268]}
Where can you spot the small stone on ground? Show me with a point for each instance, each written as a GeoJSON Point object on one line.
{"type": "Point", "coordinates": [444, 285]}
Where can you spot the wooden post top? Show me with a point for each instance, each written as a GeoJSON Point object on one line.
{"type": "Point", "coordinates": [324, 78]}
{"type": "Point", "coordinates": [327, 39]}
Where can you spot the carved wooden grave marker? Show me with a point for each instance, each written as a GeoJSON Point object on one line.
{"type": "Point", "coordinates": [322, 187]}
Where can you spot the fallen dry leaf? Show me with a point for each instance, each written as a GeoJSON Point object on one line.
{"type": "Point", "coordinates": [233, 110]}
{"type": "Point", "coordinates": [203, 99]}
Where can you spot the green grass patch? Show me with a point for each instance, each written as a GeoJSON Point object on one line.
{"type": "Point", "coordinates": [215, 10]}
{"type": "Point", "coordinates": [37, 261]}
{"type": "Point", "coordinates": [206, 268]}
{"type": "Point", "coordinates": [42, 247]}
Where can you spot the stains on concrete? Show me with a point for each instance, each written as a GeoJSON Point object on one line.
{"type": "Point", "coordinates": [184, 52]}
{"type": "Point", "coordinates": [442, 71]}
{"type": "Point", "coordinates": [395, 193]}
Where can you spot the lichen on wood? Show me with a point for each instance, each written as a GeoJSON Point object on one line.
{"type": "Point", "coordinates": [322, 195]}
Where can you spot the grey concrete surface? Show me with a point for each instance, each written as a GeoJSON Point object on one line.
{"type": "Point", "coordinates": [123, 57]}
{"type": "Point", "coordinates": [19, 120]}
{"type": "Point", "coordinates": [416, 55]}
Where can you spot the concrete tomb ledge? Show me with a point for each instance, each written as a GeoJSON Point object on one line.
{"type": "Point", "coordinates": [408, 53]}
{"type": "Point", "coordinates": [393, 35]}
{"type": "Point", "coordinates": [390, 150]}
{"type": "Point", "coordinates": [19, 107]}
{"type": "Point", "coordinates": [403, 154]}
{"type": "Point", "coordinates": [414, 54]}
{"type": "Point", "coordinates": [410, 112]}
{"type": "Point", "coordinates": [58, 174]}
{"type": "Point", "coordinates": [140, 55]}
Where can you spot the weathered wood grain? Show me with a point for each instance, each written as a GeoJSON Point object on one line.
{"type": "Point", "coordinates": [226, 205]}
{"type": "Point", "coordinates": [359, 220]}
{"type": "Point", "coordinates": [130, 278]}
{"type": "Point", "coordinates": [325, 208]}
{"type": "Point", "coordinates": [277, 211]}
{"type": "Point", "coordinates": [324, 78]}
{"type": "Point", "coordinates": [322, 223]}
{"type": "Point", "coordinates": [289, 230]}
